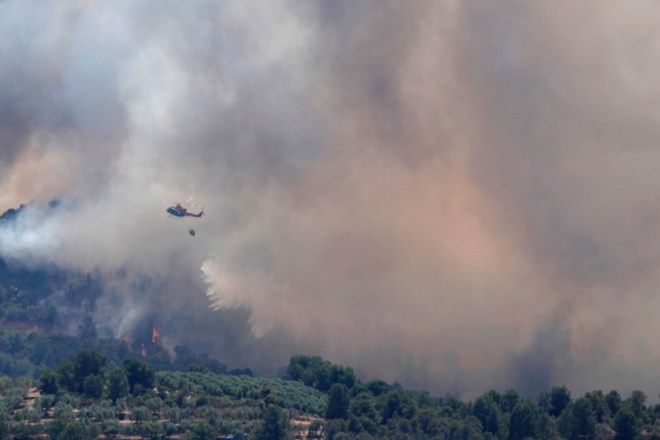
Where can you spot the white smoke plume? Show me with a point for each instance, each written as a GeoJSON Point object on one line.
{"type": "Point", "coordinates": [453, 195]}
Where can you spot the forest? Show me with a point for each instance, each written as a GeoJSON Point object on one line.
{"type": "Point", "coordinates": [62, 384]}
{"type": "Point", "coordinates": [86, 398]}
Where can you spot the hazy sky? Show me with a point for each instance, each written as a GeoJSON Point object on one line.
{"type": "Point", "coordinates": [454, 195]}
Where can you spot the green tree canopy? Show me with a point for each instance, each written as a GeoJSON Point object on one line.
{"type": "Point", "coordinates": [524, 421]}
{"type": "Point", "coordinates": [560, 397]}
{"type": "Point", "coordinates": [275, 425]}
{"type": "Point", "coordinates": [316, 372]}
{"type": "Point", "coordinates": [48, 382]}
{"type": "Point", "coordinates": [118, 385]}
{"type": "Point", "coordinates": [88, 362]}
{"type": "Point", "coordinates": [338, 402]}
{"type": "Point", "coordinates": [626, 425]}
{"type": "Point", "coordinates": [139, 374]}
{"type": "Point", "coordinates": [578, 421]}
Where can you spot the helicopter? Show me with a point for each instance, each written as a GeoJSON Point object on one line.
{"type": "Point", "coordinates": [178, 211]}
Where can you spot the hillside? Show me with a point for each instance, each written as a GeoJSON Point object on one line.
{"type": "Point", "coordinates": [85, 398]}
{"type": "Point", "coordinates": [189, 404]}
{"type": "Point", "coordinates": [60, 379]}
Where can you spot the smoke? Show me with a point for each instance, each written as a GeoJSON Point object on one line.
{"type": "Point", "coordinates": [454, 196]}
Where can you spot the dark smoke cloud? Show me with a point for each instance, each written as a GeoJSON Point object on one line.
{"type": "Point", "coordinates": [453, 195]}
{"type": "Point", "coordinates": [545, 362]}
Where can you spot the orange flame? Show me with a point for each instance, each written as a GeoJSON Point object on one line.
{"type": "Point", "coordinates": [155, 335]}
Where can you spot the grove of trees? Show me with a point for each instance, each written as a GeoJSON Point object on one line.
{"type": "Point", "coordinates": [55, 385]}
{"type": "Point", "coordinates": [86, 397]}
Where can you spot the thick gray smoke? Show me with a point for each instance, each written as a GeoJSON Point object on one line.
{"type": "Point", "coordinates": [454, 195]}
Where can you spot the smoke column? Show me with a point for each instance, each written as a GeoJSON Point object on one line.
{"type": "Point", "coordinates": [453, 195]}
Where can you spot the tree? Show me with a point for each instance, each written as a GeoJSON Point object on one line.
{"type": "Point", "coordinates": [275, 425]}
{"type": "Point", "coordinates": [363, 406]}
{"type": "Point", "coordinates": [118, 386]}
{"type": "Point", "coordinates": [362, 409]}
{"type": "Point", "coordinates": [155, 404]}
{"type": "Point", "coordinates": [598, 405]}
{"type": "Point", "coordinates": [378, 387]}
{"type": "Point", "coordinates": [72, 431]}
{"type": "Point", "coordinates": [313, 371]}
{"type": "Point", "coordinates": [63, 411]}
{"type": "Point", "coordinates": [547, 427]}
{"type": "Point", "coordinates": [637, 402]}
{"type": "Point", "coordinates": [66, 376]}
{"type": "Point", "coordinates": [577, 421]}
{"type": "Point", "coordinates": [343, 375]}
{"type": "Point", "coordinates": [626, 425]}
{"type": "Point", "coordinates": [86, 363]}
{"type": "Point", "coordinates": [316, 372]}
{"type": "Point", "coordinates": [509, 400]}
{"type": "Point", "coordinates": [93, 386]}
{"type": "Point", "coordinates": [338, 402]}
{"type": "Point", "coordinates": [524, 421]}
{"type": "Point", "coordinates": [48, 382]}
{"type": "Point", "coordinates": [140, 414]}
{"type": "Point", "coordinates": [613, 400]}
{"type": "Point", "coordinates": [560, 397]}
{"type": "Point", "coordinates": [139, 374]}
{"type": "Point", "coordinates": [584, 421]}
{"type": "Point", "coordinates": [203, 431]}
{"type": "Point", "coordinates": [489, 414]}
{"type": "Point", "coordinates": [429, 421]}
